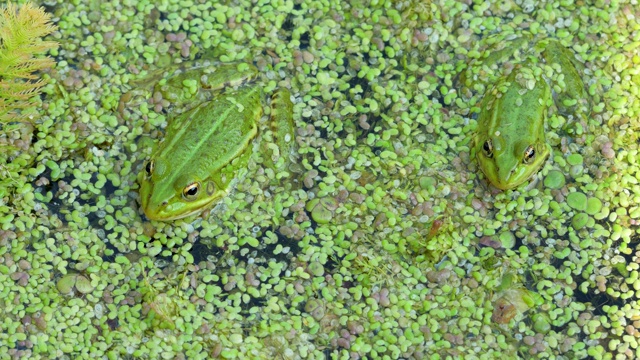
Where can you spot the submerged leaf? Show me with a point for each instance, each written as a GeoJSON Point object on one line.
{"type": "Point", "coordinates": [21, 30]}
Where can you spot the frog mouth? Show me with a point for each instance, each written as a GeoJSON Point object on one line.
{"type": "Point", "coordinates": [180, 209]}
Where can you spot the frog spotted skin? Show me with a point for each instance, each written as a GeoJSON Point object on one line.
{"type": "Point", "coordinates": [206, 147]}
{"type": "Point", "coordinates": [509, 143]}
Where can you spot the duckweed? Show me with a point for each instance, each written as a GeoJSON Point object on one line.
{"type": "Point", "coordinates": [579, 221]}
{"type": "Point", "coordinates": [554, 180]}
{"type": "Point", "coordinates": [577, 201]}
{"type": "Point", "coordinates": [382, 241]}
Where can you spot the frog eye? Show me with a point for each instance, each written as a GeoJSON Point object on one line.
{"type": "Point", "coordinates": [190, 191]}
{"type": "Point", "coordinates": [529, 154]}
{"type": "Point", "coordinates": [149, 167]}
{"type": "Point", "coordinates": [488, 148]}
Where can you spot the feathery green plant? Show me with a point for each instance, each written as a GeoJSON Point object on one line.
{"type": "Point", "coordinates": [21, 32]}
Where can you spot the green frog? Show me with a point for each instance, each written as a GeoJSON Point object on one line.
{"type": "Point", "coordinates": [509, 143]}
{"type": "Point", "coordinates": [207, 146]}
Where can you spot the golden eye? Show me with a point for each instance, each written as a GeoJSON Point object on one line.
{"type": "Point", "coordinates": [488, 148]}
{"type": "Point", "coordinates": [191, 191]}
{"type": "Point", "coordinates": [529, 154]}
{"type": "Point", "coordinates": [149, 167]}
